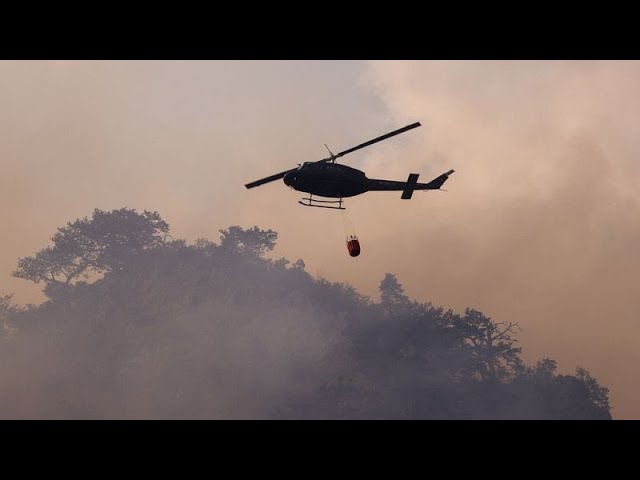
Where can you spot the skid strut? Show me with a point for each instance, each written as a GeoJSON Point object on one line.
{"type": "Point", "coordinates": [311, 202]}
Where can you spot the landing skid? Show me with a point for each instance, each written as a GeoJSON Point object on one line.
{"type": "Point", "coordinates": [311, 202]}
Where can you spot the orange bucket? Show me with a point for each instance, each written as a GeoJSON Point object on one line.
{"type": "Point", "coordinates": [353, 245]}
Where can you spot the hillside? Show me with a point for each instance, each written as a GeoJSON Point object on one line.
{"type": "Point", "coordinates": [139, 325]}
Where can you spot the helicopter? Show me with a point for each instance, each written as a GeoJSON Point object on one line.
{"type": "Point", "coordinates": [327, 179]}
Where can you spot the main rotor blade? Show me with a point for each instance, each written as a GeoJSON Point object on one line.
{"type": "Point", "coordinates": [280, 175]}
{"type": "Point", "coordinates": [272, 178]}
{"type": "Point", "coordinates": [379, 139]}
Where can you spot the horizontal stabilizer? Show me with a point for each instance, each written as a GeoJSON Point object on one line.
{"type": "Point", "coordinates": [412, 180]}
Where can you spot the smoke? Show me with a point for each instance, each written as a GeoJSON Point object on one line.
{"type": "Point", "coordinates": [179, 137]}
{"type": "Point", "coordinates": [540, 222]}
{"type": "Point", "coordinates": [217, 360]}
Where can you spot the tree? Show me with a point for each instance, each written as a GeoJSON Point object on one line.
{"type": "Point", "coordinates": [6, 310]}
{"type": "Point", "coordinates": [392, 292]}
{"type": "Point", "coordinates": [299, 265]}
{"type": "Point", "coordinates": [220, 310]}
{"type": "Point", "coordinates": [544, 370]}
{"type": "Point", "coordinates": [492, 345]}
{"type": "Point", "coordinates": [5, 305]}
{"type": "Point", "coordinates": [598, 395]}
{"type": "Point", "coordinates": [106, 242]}
{"type": "Point", "coordinates": [251, 242]}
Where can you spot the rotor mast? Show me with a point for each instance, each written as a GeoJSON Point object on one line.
{"type": "Point", "coordinates": [332, 158]}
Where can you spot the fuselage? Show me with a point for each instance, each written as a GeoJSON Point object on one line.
{"type": "Point", "coordinates": [335, 180]}
{"type": "Point", "coordinates": [332, 180]}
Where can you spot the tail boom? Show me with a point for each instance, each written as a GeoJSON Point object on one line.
{"type": "Point", "coordinates": [407, 188]}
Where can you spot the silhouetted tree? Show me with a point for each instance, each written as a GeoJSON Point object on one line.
{"type": "Point", "coordinates": [5, 306]}
{"type": "Point", "coordinates": [6, 311]}
{"type": "Point", "coordinates": [492, 345]}
{"type": "Point", "coordinates": [576, 396]}
{"type": "Point", "coordinates": [544, 369]}
{"type": "Point", "coordinates": [104, 243]}
{"type": "Point", "coordinates": [253, 241]}
{"type": "Point", "coordinates": [392, 293]}
{"type": "Point", "coordinates": [598, 394]}
{"type": "Point", "coordinates": [206, 330]}
{"type": "Point", "coordinates": [299, 265]}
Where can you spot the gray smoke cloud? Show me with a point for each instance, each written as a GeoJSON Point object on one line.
{"type": "Point", "coordinates": [216, 361]}
{"type": "Point", "coordinates": [539, 224]}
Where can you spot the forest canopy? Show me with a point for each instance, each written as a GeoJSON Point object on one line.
{"type": "Point", "coordinates": [140, 325]}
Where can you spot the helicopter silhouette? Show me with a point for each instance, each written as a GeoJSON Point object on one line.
{"type": "Point", "coordinates": [328, 179]}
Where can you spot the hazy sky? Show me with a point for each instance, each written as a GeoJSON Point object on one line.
{"type": "Point", "coordinates": [540, 223]}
